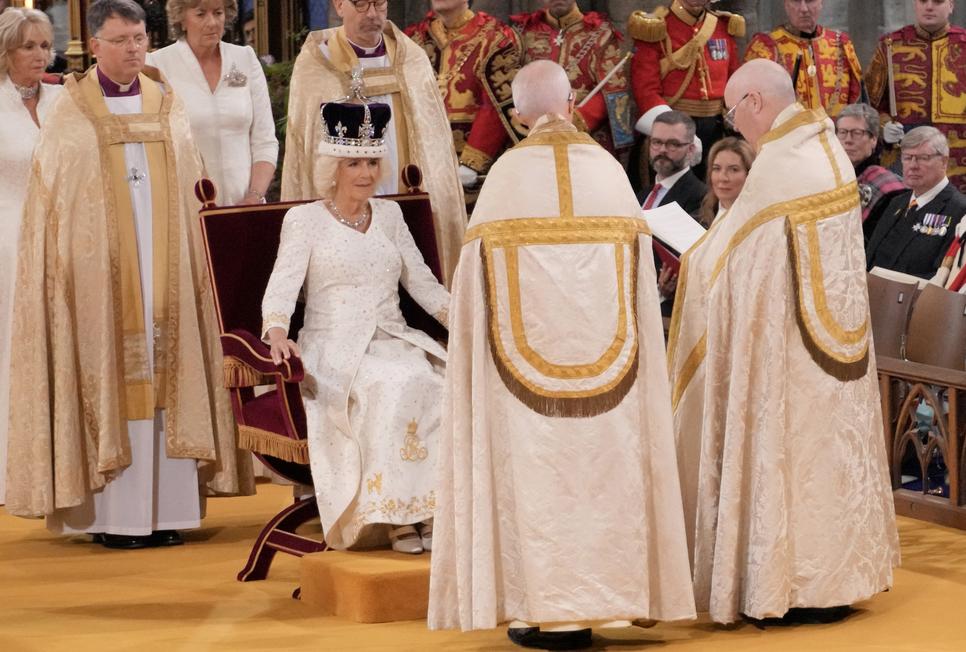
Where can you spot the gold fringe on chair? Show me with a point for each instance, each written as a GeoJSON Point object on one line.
{"type": "Point", "coordinates": [273, 444]}
{"type": "Point", "coordinates": [239, 374]}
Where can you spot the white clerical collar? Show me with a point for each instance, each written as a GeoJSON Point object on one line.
{"type": "Point", "coordinates": [368, 51]}
{"type": "Point", "coordinates": [669, 182]}
{"type": "Point", "coordinates": [930, 194]}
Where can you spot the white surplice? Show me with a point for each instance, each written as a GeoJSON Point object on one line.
{"type": "Point", "coordinates": [155, 492]}
{"type": "Point", "coordinates": [232, 125]}
{"type": "Point", "coordinates": [372, 386]}
{"type": "Point", "coordinates": [18, 135]}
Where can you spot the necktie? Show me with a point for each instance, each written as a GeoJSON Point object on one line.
{"type": "Point", "coordinates": [652, 197]}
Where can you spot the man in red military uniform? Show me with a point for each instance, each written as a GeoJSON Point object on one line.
{"type": "Point", "coordinates": [588, 47]}
{"type": "Point", "coordinates": [684, 56]}
{"type": "Point", "coordinates": [822, 62]}
{"type": "Point", "coordinates": [918, 77]}
{"type": "Point", "coordinates": [475, 57]}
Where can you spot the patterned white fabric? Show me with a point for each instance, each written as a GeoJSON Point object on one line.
{"type": "Point", "coordinates": [155, 492]}
{"type": "Point", "coordinates": [776, 402]}
{"type": "Point", "coordinates": [545, 517]}
{"type": "Point", "coordinates": [373, 385]}
{"type": "Point", "coordinates": [18, 135]}
{"type": "Point", "coordinates": [232, 126]}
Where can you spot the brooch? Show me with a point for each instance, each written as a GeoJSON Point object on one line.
{"type": "Point", "coordinates": [235, 77]}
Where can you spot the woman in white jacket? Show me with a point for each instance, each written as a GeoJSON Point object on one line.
{"type": "Point", "coordinates": [26, 41]}
{"type": "Point", "coordinates": [226, 95]}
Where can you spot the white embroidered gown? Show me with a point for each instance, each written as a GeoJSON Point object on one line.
{"type": "Point", "coordinates": [372, 385]}
{"type": "Point", "coordinates": [18, 135]}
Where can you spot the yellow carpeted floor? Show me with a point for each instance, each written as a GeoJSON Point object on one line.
{"type": "Point", "coordinates": [68, 594]}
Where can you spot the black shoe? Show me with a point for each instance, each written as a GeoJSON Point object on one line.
{"type": "Point", "coordinates": [532, 637]}
{"type": "Point", "coordinates": [166, 538]}
{"type": "Point", "coordinates": [818, 616]}
{"type": "Point", "coordinates": [97, 538]}
{"type": "Point", "coordinates": [125, 542]}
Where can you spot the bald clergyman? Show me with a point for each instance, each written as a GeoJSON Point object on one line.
{"type": "Point", "coordinates": [773, 381]}
{"type": "Point", "coordinates": [559, 504]}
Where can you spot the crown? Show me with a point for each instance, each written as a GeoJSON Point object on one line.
{"type": "Point", "coordinates": [352, 129]}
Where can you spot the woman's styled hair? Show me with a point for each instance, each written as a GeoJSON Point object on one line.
{"type": "Point", "coordinates": [14, 22]}
{"type": "Point", "coordinates": [710, 203]}
{"type": "Point", "coordinates": [327, 173]}
{"type": "Point", "coordinates": [177, 8]}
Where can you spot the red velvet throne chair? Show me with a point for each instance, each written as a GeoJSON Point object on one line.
{"type": "Point", "coordinates": [241, 243]}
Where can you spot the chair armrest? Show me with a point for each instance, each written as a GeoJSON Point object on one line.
{"type": "Point", "coordinates": [255, 357]}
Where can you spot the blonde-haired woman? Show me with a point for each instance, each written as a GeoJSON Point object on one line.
{"type": "Point", "coordinates": [372, 388]}
{"type": "Point", "coordinates": [26, 47]}
{"type": "Point", "coordinates": [729, 162]}
{"type": "Point", "coordinates": [224, 90]}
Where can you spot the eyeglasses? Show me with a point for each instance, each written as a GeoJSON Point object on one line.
{"type": "Point", "coordinates": [919, 158]}
{"type": "Point", "coordinates": [362, 6]}
{"type": "Point", "coordinates": [657, 143]}
{"type": "Point", "coordinates": [854, 134]}
{"type": "Point", "coordinates": [729, 117]}
{"type": "Point", "coordinates": [138, 40]}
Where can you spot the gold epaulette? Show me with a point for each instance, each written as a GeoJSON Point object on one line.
{"type": "Point", "coordinates": [646, 27]}
{"type": "Point", "coordinates": [736, 23]}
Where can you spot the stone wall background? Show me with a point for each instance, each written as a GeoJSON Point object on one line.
{"type": "Point", "coordinates": [864, 20]}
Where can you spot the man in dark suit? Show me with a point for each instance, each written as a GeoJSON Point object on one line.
{"type": "Point", "coordinates": [671, 151]}
{"type": "Point", "coordinates": [918, 226]}
{"type": "Point", "coordinates": [671, 148]}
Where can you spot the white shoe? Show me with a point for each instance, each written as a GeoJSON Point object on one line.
{"type": "Point", "coordinates": [406, 539]}
{"type": "Point", "coordinates": [426, 534]}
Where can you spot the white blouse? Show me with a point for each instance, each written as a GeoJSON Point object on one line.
{"type": "Point", "coordinates": [233, 126]}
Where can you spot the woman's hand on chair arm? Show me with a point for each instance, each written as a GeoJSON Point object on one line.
{"type": "Point", "coordinates": [282, 347]}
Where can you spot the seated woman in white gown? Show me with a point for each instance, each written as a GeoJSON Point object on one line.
{"type": "Point", "coordinates": [373, 386]}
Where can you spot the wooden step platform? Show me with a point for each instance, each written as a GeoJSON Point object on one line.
{"type": "Point", "coordinates": [374, 586]}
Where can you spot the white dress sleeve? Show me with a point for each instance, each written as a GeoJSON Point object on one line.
{"type": "Point", "coordinates": [416, 276]}
{"type": "Point", "coordinates": [264, 144]}
{"type": "Point", "coordinates": [288, 275]}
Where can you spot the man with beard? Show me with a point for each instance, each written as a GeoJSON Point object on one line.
{"type": "Point", "coordinates": [683, 57]}
{"type": "Point", "coordinates": [671, 147]}
{"type": "Point", "coordinates": [588, 47]}
{"type": "Point", "coordinates": [857, 128]}
{"type": "Point", "coordinates": [369, 57]}
{"type": "Point", "coordinates": [917, 77]}
{"type": "Point", "coordinates": [825, 69]}
{"type": "Point", "coordinates": [475, 57]}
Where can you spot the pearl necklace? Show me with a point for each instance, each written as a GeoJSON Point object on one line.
{"type": "Point", "coordinates": [27, 92]}
{"type": "Point", "coordinates": [354, 224]}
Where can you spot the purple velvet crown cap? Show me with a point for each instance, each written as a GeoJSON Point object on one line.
{"type": "Point", "coordinates": [354, 130]}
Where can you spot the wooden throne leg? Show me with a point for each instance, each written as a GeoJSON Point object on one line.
{"type": "Point", "coordinates": [279, 535]}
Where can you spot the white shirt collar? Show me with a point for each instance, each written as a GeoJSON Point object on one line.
{"type": "Point", "coordinates": [669, 182]}
{"type": "Point", "coordinates": [930, 194]}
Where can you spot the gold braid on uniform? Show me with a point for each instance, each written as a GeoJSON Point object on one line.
{"type": "Point", "coordinates": [646, 27]}
{"type": "Point", "coordinates": [736, 24]}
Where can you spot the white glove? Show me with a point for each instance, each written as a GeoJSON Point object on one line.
{"type": "Point", "coordinates": [468, 176]}
{"type": "Point", "coordinates": [646, 121]}
{"type": "Point", "coordinates": [893, 132]}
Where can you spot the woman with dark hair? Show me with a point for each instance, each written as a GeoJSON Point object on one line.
{"type": "Point", "coordinates": [729, 162]}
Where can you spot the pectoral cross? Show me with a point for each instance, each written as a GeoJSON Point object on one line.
{"type": "Point", "coordinates": [559, 38]}
{"type": "Point", "coordinates": [135, 177]}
